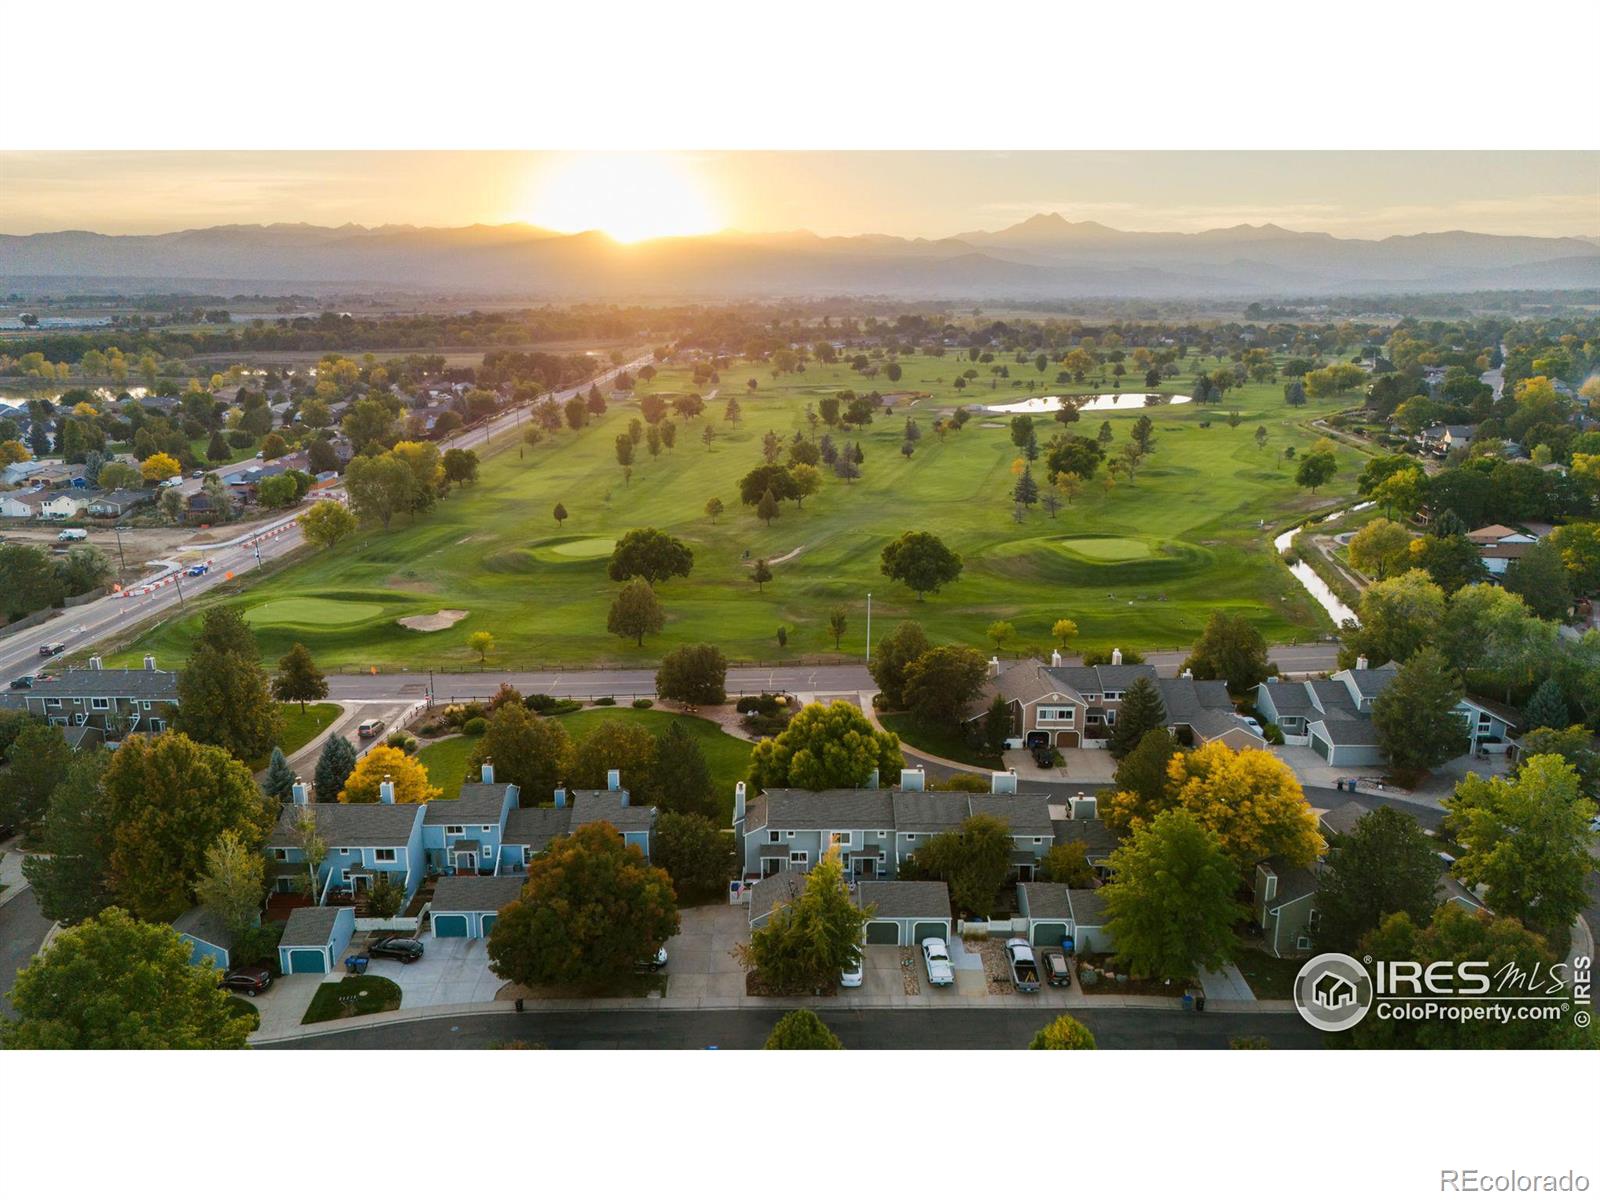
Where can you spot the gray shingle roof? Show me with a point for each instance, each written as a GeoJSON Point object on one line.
{"type": "Point", "coordinates": [1088, 906]}
{"type": "Point", "coordinates": [1342, 820]}
{"type": "Point", "coordinates": [200, 922]}
{"type": "Point", "coordinates": [348, 824]}
{"type": "Point", "coordinates": [774, 890]}
{"type": "Point", "coordinates": [1348, 731]}
{"type": "Point", "coordinates": [905, 899]}
{"type": "Point", "coordinates": [1293, 883]}
{"type": "Point", "coordinates": [1027, 813]}
{"type": "Point", "coordinates": [838, 808]}
{"type": "Point", "coordinates": [1047, 901]}
{"type": "Point", "coordinates": [590, 806]}
{"type": "Point", "coordinates": [1371, 681]}
{"type": "Point", "coordinates": [309, 926]}
{"type": "Point", "coordinates": [76, 683]}
{"type": "Point", "coordinates": [928, 812]}
{"type": "Point", "coordinates": [479, 804]}
{"type": "Point", "coordinates": [537, 827]}
{"type": "Point", "coordinates": [476, 893]}
{"type": "Point", "coordinates": [1092, 831]}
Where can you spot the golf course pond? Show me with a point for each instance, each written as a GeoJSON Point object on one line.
{"type": "Point", "coordinates": [1107, 402]}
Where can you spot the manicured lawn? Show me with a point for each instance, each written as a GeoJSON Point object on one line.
{"type": "Point", "coordinates": [298, 727]}
{"type": "Point", "coordinates": [371, 993]}
{"type": "Point", "coordinates": [446, 760]}
{"type": "Point", "coordinates": [1269, 978]}
{"type": "Point", "coordinates": [727, 756]}
{"type": "Point", "coordinates": [1138, 565]}
{"type": "Point", "coordinates": [946, 743]}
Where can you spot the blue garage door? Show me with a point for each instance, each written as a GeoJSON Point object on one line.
{"type": "Point", "coordinates": [449, 925]}
{"type": "Point", "coordinates": [488, 922]}
{"type": "Point", "coordinates": [308, 962]}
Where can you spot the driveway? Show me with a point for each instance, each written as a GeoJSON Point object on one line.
{"type": "Point", "coordinates": [700, 961]}
{"type": "Point", "coordinates": [22, 930]}
{"type": "Point", "coordinates": [450, 971]}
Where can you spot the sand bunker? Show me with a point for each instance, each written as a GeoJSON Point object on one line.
{"type": "Point", "coordinates": [433, 622]}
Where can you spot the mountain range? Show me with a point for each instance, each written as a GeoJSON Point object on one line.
{"type": "Point", "coordinates": [1046, 256]}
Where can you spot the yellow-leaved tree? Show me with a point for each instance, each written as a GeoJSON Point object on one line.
{"type": "Point", "coordinates": [1250, 799]}
{"type": "Point", "coordinates": [409, 776]}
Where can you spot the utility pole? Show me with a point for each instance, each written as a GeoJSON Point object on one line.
{"type": "Point", "coordinates": [117, 529]}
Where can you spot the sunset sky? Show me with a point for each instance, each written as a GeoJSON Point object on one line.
{"type": "Point", "coordinates": [930, 194]}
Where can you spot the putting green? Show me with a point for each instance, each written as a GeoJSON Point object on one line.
{"type": "Point", "coordinates": [312, 610]}
{"type": "Point", "coordinates": [591, 547]}
{"type": "Point", "coordinates": [1108, 549]}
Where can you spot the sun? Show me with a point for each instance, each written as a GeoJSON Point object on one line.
{"type": "Point", "coordinates": [631, 197]}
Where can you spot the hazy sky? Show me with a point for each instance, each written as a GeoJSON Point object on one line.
{"type": "Point", "coordinates": [908, 193]}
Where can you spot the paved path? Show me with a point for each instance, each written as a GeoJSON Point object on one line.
{"type": "Point", "coordinates": [966, 1029]}
{"type": "Point", "coordinates": [22, 929]}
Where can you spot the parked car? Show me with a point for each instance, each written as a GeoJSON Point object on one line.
{"type": "Point", "coordinates": [249, 980]}
{"type": "Point", "coordinates": [403, 948]}
{"type": "Point", "coordinates": [936, 959]}
{"type": "Point", "coordinates": [51, 649]}
{"type": "Point", "coordinates": [1044, 756]}
{"type": "Point", "coordinates": [850, 977]}
{"type": "Point", "coordinates": [1024, 970]}
{"type": "Point", "coordinates": [1037, 738]}
{"type": "Point", "coordinates": [1057, 970]}
{"type": "Point", "coordinates": [198, 473]}
{"type": "Point", "coordinates": [22, 681]}
{"type": "Point", "coordinates": [370, 728]}
{"type": "Point", "coordinates": [7, 831]}
{"type": "Point", "coordinates": [1250, 723]}
{"type": "Point", "coordinates": [656, 962]}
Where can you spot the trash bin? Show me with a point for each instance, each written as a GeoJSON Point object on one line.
{"type": "Point", "coordinates": [1188, 1001]}
{"type": "Point", "coordinates": [1199, 1004]}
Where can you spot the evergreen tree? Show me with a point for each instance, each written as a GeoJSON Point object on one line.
{"type": "Point", "coordinates": [1547, 707]}
{"type": "Point", "coordinates": [223, 697]}
{"type": "Point", "coordinates": [279, 780]}
{"type": "Point", "coordinates": [1142, 711]}
{"type": "Point", "coordinates": [1415, 717]}
{"type": "Point", "coordinates": [1384, 865]}
{"type": "Point", "coordinates": [681, 779]}
{"type": "Point", "coordinates": [334, 764]}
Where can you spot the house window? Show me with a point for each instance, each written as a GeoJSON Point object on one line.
{"type": "Point", "coordinates": [52, 704]}
{"type": "Point", "coordinates": [342, 850]}
{"type": "Point", "coordinates": [1314, 920]}
{"type": "Point", "coordinates": [882, 833]}
{"type": "Point", "coordinates": [344, 875]}
{"type": "Point", "coordinates": [774, 836]}
{"type": "Point", "coordinates": [882, 857]}
{"type": "Point", "coordinates": [1110, 696]}
{"type": "Point", "coordinates": [487, 828]}
{"type": "Point", "coordinates": [145, 704]}
{"type": "Point", "coordinates": [281, 855]}
{"type": "Point", "coordinates": [1039, 841]}
{"type": "Point", "coordinates": [384, 855]}
{"type": "Point", "coordinates": [1064, 716]}
{"type": "Point", "coordinates": [454, 830]}
{"type": "Point", "coordinates": [1111, 717]}
{"type": "Point", "coordinates": [99, 703]}
{"type": "Point", "coordinates": [1092, 697]}
{"type": "Point", "coordinates": [1302, 943]}
{"type": "Point", "coordinates": [527, 855]}
{"type": "Point", "coordinates": [838, 839]}
{"type": "Point", "coordinates": [788, 834]}
{"type": "Point", "coordinates": [157, 724]}
{"type": "Point", "coordinates": [799, 858]}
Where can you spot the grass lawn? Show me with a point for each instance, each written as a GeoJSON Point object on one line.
{"type": "Point", "coordinates": [1140, 565]}
{"type": "Point", "coordinates": [298, 727]}
{"type": "Point", "coordinates": [371, 993]}
{"type": "Point", "coordinates": [936, 739]}
{"type": "Point", "coordinates": [1269, 978]}
{"type": "Point", "coordinates": [727, 756]}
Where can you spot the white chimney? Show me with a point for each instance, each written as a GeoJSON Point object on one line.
{"type": "Point", "coordinates": [149, 662]}
{"type": "Point", "coordinates": [872, 780]}
{"type": "Point", "coordinates": [1003, 783]}
{"type": "Point", "coordinates": [1187, 674]}
{"type": "Point", "coordinates": [613, 780]}
{"type": "Point", "coordinates": [913, 779]}
{"type": "Point", "coordinates": [386, 791]}
{"type": "Point", "coordinates": [738, 802]}
{"type": "Point", "coordinates": [1055, 658]}
{"type": "Point", "coordinates": [994, 666]}
{"type": "Point", "coordinates": [486, 771]}
{"type": "Point", "coordinates": [1361, 662]}
{"type": "Point", "coordinates": [298, 791]}
{"type": "Point", "coordinates": [1116, 657]}
{"type": "Point", "coordinates": [94, 662]}
{"type": "Point", "coordinates": [561, 795]}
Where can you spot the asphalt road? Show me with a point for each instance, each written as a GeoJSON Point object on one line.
{"type": "Point", "coordinates": [22, 929]}
{"type": "Point", "coordinates": [83, 627]}
{"type": "Point", "coordinates": [861, 1029]}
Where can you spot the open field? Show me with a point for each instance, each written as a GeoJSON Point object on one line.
{"type": "Point", "coordinates": [1139, 565]}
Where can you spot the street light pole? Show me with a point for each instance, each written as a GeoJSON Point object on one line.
{"type": "Point", "coordinates": [869, 627]}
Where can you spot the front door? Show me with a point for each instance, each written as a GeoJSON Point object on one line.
{"type": "Point", "coordinates": [467, 864]}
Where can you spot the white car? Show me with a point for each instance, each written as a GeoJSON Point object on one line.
{"type": "Point", "coordinates": [850, 977]}
{"type": "Point", "coordinates": [1250, 723]}
{"type": "Point", "coordinates": [936, 958]}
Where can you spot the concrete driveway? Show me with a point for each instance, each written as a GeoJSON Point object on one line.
{"type": "Point", "coordinates": [450, 971]}
{"type": "Point", "coordinates": [700, 961]}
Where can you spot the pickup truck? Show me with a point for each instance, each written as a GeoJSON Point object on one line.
{"type": "Point", "coordinates": [1024, 970]}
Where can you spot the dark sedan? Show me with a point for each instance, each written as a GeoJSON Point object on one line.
{"type": "Point", "coordinates": [404, 948]}
{"type": "Point", "coordinates": [249, 980]}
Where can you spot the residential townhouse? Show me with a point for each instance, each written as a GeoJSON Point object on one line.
{"type": "Point", "coordinates": [116, 702]}
{"type": "Point", "coordinates": [1499, 546]}
{"type": "Point", "coordinates": [1334, 716]}
{"type": "Point", "coordinates": [1069, 706]}
{"type": "Point", "coordinates": [366, 844]}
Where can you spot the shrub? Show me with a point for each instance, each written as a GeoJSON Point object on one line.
{"type": "Point", "coordinates": [549, 706]}
{"type": "Point", "coordinates": [258, 944]}
{"type": "Point", "coordinates": [605, 701]}
{"type": "Point", "coordinates": [241, 439]}
{"type": "Point", "coordinates": [474, 727]}
{"type": "Point", "coordinates": [766, 704]}
{"type": "Point", "coordinates": [401, 740]}
{"type": "Point", "coordinates": [1274, 734]}
{"type": "Point", "coordinates": [431, 727]}
{"type": "Point", "coordinates": [644, 702]}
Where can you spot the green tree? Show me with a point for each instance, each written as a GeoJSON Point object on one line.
{"type": "Point", "coordinates": [806, 942]}
{"type": "Point", "coordinates": [1231, 649]}
{"type": "Point", "coordinates": [168, 799]}
{"type": "Point", "coordinates": [1063, 1033]}
{"type": "Point", "coordinates": [530, 751]}
{"type": "Point", "coordinates": [223, 697]}
{"type": "Point", "coordinates": [1401, 493]}
{"type": "Point", "coordinates": [1415, 718]}
{"type": "Point", "coordinates": [278, 783]}
{"type": "Point", "coordinates": [693, 675]}
{"type": "Point", "coordinates": [1573, 743]}
{"type": "Point", "coordinates": [1170, 902]}
{"type": "Point", "coordinates": [1546, 708]}
{"type": "Point", "coordinates": [617, 745]}
{"type": "Point", "coordinates": [761, 574]}
{"type": "Point", "coordinates": [838, 622]}
{"type": "Point", "coordinates": [973, 859]}
{"type": "Point", "coordinates": [650, 555]}
{"type": "Point", "coordinates": [1528, 841]}
{"type": "Point", "coordinates": [1142, 711]}
{"type": "Point", "coordinates": [767, 506]}
{"type": "Point", "coordinates": [681, 777]}
{"type": "Point", "coordinates": [233, 884]}
{"type": "Point", "coordinates": [636, 612]}
{"type": "Point", "coordinates": [893, 655]}
{"type": "Point", "coordinates": [695, 853]}
{"type": "Point", "coordinates": [1142, 772]}
{"type": "Point", "coordinates": [941, 683]}
{"type": "Point", "coordinates": [821, 748]}
{"type": "Point", "coordinates": [380, 487]}
{"type": "Point", "coordinates": [1398, 616]}
{"type": "Point", "coordinates": [802, 1030]}
{"type": "Point", "coordinates": [1000, 632]}
{"type": "Point", "coordinates": [1381, 548]}
{"type": "Point", "coordinates": [69, 874]}
{"type": "Point", "coordinates": [40, 759]}
{"type": "Point", "coordinates": [1386, 864]}
{"type": "Point", "coordinates": [299, 679]}
{"type": "Point", "coordinates": [115, 983]}
{"type": "Point", "coordinates": [1064, 631]}
{"type": "Point", "coordinates": [559, 513]}
{"type": "Point", "coordinates": [997, 725]}
{"type": "Point", "coordinates": [1316, 469]}
{"type": "Point", "coordinates": [1068, 863]}
{"type": "Point", "coordinates": [591, 908]}
{"type": "Point", "coordinates": [714, 505]}
{"type": "Point", "coordinates": [1540, 578]}
{"type": "Point", "coordinates": [334, 764]}
{"type": "Point", "coordinates": [1451, 562]}
{"type": "Point", "coordinates": [921, 561]}
{"type": "Point", "coordinates": [326, 523]}
{"type": "Point", "coordinates": [460, 466]}
{"type": "Point", "coordinates": [481, 643]}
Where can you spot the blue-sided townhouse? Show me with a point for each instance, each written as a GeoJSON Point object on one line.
{"type": "Point", "coordinates": [466, 836]}
{"type": "Point", "coordinates": [365, 843]}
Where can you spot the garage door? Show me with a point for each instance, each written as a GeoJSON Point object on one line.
{"type": "Point", "coordinates": [488, 922]}
{"type": "Point", "coordinates": [303, 962]}
{"type": "Point", "coordinates": [928, 929]}
{"type": "Point", "coordinates": [450, 925]}
{"type": "Point", "coordinates": [1320, 747]}
{"type": "Point", "coordinates": [1066, 739]}
{"type": "Point", "coordinates": [1049, 933]}
{"type": "Point", "coordinates": [883, 933]}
